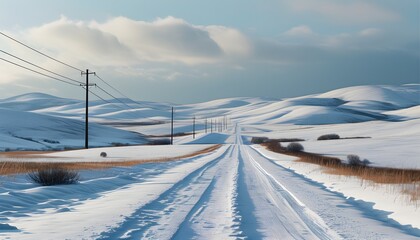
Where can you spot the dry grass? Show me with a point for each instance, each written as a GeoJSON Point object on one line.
{"type": "Point", "coordinates": [17, 167]}
{"type": "Point", "coordinates": [406, 179]}
{"type": "Point", "coordinates": [336, 166]}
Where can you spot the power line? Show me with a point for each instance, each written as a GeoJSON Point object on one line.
{"type": "Point", "coordinates": [138, 103]}
{"type": "Point", "coordinates": [99, 97]}
{"type": "Point", "coordinates": [43, 74]}
{"type": "Point", "coordinates": [103, 90]}
{"type": "Point", "coordinates": [23, 60]}
{"type": "Point", "coordinates": [122, 103]}
{"type": "Point", "coordinates": [43, 54]}
{"type": "Point", "coordinates": [109, 85]}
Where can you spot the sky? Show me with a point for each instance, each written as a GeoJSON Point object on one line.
{"type": "Point", "coordinates": [188, 51]}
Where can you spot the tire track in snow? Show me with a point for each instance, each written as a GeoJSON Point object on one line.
{"type": "Point", "coordinates": [219, 200]}
{"type": "Point", "coordinates": [277, 212]}
{"type": "Point", "coordinates": [88, 219]}
{"type": "Point", "coordinates": [161, 218]}
{"type": "Point", "coordinates": [340, 213]}
{"type": "Point", "coordinates": [308, 218]}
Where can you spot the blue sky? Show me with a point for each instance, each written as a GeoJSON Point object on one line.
{"type": "Point", "coordinates": [189, 51]}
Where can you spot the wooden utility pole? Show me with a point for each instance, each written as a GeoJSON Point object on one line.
{"type": "Point", "coordinates": [172, 127]}
{"type": "Point", "coordinates": [194, 127]}
{"type": "Point", "coordinates": [87, 85]}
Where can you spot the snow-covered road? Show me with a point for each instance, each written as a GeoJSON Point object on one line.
{"type": "Point", "coordinates": [232, 193]}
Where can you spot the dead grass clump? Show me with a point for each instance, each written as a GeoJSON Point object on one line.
{"type": "Point", "coordinates": [329, 136]}
{"type": "Point", "coordinates": [309, 157]}
{"type": "Point", "coordinates": [406, 180]}
{"type": "Point", "coordinates": [17, 167]}
{"type": "Point", "coordinates": [259, 140]}
{"type": "Point", "coordinates": [362, 170]}
{"type": "Point", "coordinates": [54, 176]}
{"type": "Point", "coordinates": [378, 174]}
{"type": "Point", "coordinates": [354, 160]}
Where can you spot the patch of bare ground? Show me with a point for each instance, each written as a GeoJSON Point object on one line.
{"type": "Point", "coordinates": [406, 180]}
{"type": "Point", "coordinates": [18, 167]}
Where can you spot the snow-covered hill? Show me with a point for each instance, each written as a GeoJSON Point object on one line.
{"type": "Point", "coordinates": [60, 120]}
{"type": "Point", "coordinates": [31, 131]}
{"type": "Point", "coordinates": [255, 193]}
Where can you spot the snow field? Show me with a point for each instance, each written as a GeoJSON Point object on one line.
{"type": "Point", "coordinates": [393, 206]}
{"type": "Point", "coordinates": [235, 192]}
{"type": "Point", "coordinates": [90, 217]}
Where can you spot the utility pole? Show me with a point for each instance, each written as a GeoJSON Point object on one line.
{"type": "Point", "coordinates": [172, 127]}
{"type": "Point", "coordinates": [211, 125]}
{"type": "Point", "coordinates": [223, 123]}
{"type": "Point", "coordinates": [194, 127]}
{"type": "Point", "coordinates": [87, 85]}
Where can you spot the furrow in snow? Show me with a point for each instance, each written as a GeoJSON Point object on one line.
{"type": "Point", "coordinates": [340, 213]}
{"type": "Point", "coordinates": [89, 218]}
{"type": "Point", "coordinates": [215, 216]}
{"type": "Point", "coordinates": [160, 218]}
{"type": "Point", "coordinates": [277, 191]}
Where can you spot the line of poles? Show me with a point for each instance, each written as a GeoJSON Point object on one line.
{"type": "Point", "coordinates": [68, 80]}
{"type": "Point", "coordinates": [218, 124]}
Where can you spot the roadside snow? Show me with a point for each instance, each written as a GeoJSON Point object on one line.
{"type": "Point", "coordinates": [114, 154]}
{"type": "Point", "coordinates": [383, 197]}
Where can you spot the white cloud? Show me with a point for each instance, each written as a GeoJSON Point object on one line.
{"type": "Point", "coordinates": [346, 11]}
{"type": "Point", "coordinates": [79, 41]}
{"type": "Point", "coordinates": [301, 30]}
{"type": "Point", "coordinates": [232, 41]}
{"type": "Point", "coordinates": [370, 32]}
{"type": "Point", "coordinates": [169, 39]}
{"type": "Point", "coordinates": [123, 42]}
{"type": "Point", "coordinates": [169, 49]}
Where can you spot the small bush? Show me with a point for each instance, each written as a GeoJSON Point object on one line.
{"type": "Point", "coordinates": [259, 140]}
{"type": "Point", "coordinates": [54, 176]}
{"type": "Point", "coordinates": [354, 160]}
{"type": "Point", "coordinates": [365, 162]}
{"type": "Point", "coordinates": [103, 154]}
{"type": "Point", "coordinates": [329, 137]}
{"type": "Point", "coordinates": [294, 147]}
